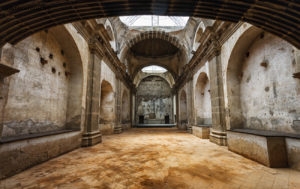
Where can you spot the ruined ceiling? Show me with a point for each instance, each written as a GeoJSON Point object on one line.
{"type": "Point", "coordinates": [154, 48]}
{"type": "Point", "coordinates": [19, 19]}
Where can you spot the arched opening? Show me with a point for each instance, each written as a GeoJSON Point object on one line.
{"type": "Point", "coordinates": [107, 108]}
{"type": "Point", "coordinates": [234, 75]}
{"type": "Point", "coordinates": [183, 109]}
{"type": "Point", "coordinates": [203, 100]}
{"type": "Point", "coordinates": [74, 72]}
{"type": "Point", "coordinates": [154, 101]}
{"type": "Point", "coordinates": [198, 36]}
{"type": "Point", "coordinates": [259, 75]}
{"type": "Point", "coordinates": [110, 33]}
{"type": "Point", "coordinates": [49, 99]}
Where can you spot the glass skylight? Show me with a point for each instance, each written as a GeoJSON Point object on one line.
{"type": "Point", "coordinates": [154, 21]}
{"type": "Point", "coordinates": [154, 69]}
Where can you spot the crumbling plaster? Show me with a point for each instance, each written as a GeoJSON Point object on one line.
{"type": "Point", "coordinates": [202, 100]}
{"type": "Point", "coordinates": [31, 92]}
{"type": "Point", "coordinates": [264, 86]}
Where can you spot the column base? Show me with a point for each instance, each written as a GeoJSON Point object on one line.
{"type": "Point", "coordinates": [218, 137]}
{"type": "Point", "coordinates": [118, 129]}
{"type": "Point", "coordinates": [91, 138]}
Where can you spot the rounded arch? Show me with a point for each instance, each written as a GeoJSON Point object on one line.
{"type": "Point", "coordinates": [107, 103]}
{"type": "Point", "coordinates": [234, 75]}
{"type": "Point", "coordinates": [140, 67]}
{"type": "Point", "coordinates": [203, 100]}
{"type": "Point", "coordinates": [111, 33]}
{"type": "Point", "coordinates": [74, 72]}
{"type": "Point", "coordinates": [199, 31]}
{"type": "Point", "coordinates": [202, 82]}
{"type": "Point", "coordinates": [153, 35]}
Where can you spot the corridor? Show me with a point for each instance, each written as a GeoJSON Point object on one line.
{"type": "Point", "coordinates": [153, 158]}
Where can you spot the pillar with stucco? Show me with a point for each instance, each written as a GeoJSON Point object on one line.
{"type": "Point", "coordinates": [218, 129]}
{"type": "Point", "coordinates": [118, 98]}
{"type": "Point", "coordinates": [91, 133]}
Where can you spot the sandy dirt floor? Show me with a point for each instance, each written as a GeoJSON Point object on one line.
{"type": "Point", "coordinates": [153, 158]}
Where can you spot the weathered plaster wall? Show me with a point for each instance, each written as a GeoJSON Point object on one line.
{"type": "Point", "coordinates": [202, 100]}
{"type": "Point", "coordinates": [37, 97]}
{"type": "Point", "coordinates": [154, 100]}
{"type": "Point", "coordinates": [260, 90]}
{"type": "Point", "coordinates": [269, 94]}
{"type": "Point", "coordinates": [293, 152]}
{"type": "Point", "coordinates": [227, 52]}
{"type": "Point", "coordinates": [183, 109]}
{"type": "Point", "coordinates": [125, 112]}
{"type": "Point", "coordinates": [84, 55]}
{"type": "Point", "coordinates": [107, 101]}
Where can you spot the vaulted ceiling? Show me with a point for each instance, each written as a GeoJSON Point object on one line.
{"type": "Point", "coordinates": [19, 19]}
{"type": "Point", "coordinates": [154, 48]}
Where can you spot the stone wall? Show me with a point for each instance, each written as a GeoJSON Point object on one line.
{"type": "Point", "coordinates": [19, 155]}
{"type": "Point", "coordinates": [108, 100]}
{"type": "Point", "coordinates": [202, 102]}
{"type": "Point", "coordinates": [153, 100]}
{"type": "Point", "coordinates": [262, 93]}
{"type": "Point", "coordinates": [37, 95]}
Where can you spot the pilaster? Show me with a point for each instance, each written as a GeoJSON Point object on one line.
{"type": "Point", "coordinates": [118, 125]}
{"type": "Point", "coordinates": [91, 133]}
{"type": "Point", "coordinates": [218, 129]}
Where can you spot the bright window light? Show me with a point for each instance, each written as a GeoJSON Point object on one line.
{"type": "Point", "coordinates": [152, 20]}
{"type": "Point", "coordinates": [154, 69]}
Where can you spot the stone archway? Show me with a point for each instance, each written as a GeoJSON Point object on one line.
{"type": "Point", "coordinates": [234, 75]}
{"type": "Point", "coordinates": [259, 75]}
{"type": "Point", "coordinates": [107, 108]}
{"type": "Point", "coordinates": [203, 100]}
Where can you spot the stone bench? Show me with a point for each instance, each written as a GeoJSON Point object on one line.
{"type": "Point", "coordinates": [201, 131]}
{"type": "Point", "coordinates": [269, 148]}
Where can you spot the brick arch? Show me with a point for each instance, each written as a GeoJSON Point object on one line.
{"type": "Point", "coordinates": [154, 35]}
{"type": "Point", "coordinates": [20, 19]}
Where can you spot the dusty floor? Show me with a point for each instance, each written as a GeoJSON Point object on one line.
{"type": "Point", "coordinates": [153, 158]}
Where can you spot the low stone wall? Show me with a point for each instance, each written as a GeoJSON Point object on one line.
{"type": "Point", "coordinates": [267, 150]}
{"type": "Point", "coordinates": [201, 131]}
{"type": "Point", "coordinates": [293, 152]}
{"type": "Point", "coordinates": [17, 156]}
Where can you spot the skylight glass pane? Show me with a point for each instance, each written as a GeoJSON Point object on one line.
{"type": "Point", "coordinates": [154, 69]}
{"type": "Point", "coordinates": [152, 20]}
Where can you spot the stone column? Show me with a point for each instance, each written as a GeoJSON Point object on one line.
{"type": "Point", "coordinates": [132, 106]}
{"type": "Point", "coordinates": [193, 109]}
{"type": "Point", "coordinates": [118, 125]}
{"type": "Point", "coordinates": [218, 129]}
{"type": "Point", "coordinates": [190, 108]}
{"type": "Point", "coordinates": [91, 133]}
{"type": "Point", "coordinates": [177, 109]}
{"type": "Point", "coordinates": [172, 119]}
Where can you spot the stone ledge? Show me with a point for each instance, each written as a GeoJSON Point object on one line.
{"type": "Point", "coordinates": [32, 136]}
{"type": "Point", "coordinates": [267, 148]}
{"type": "Point", "coordinates": [20, 155]}
{"type": "Point", "coordinates": [266, 133]}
